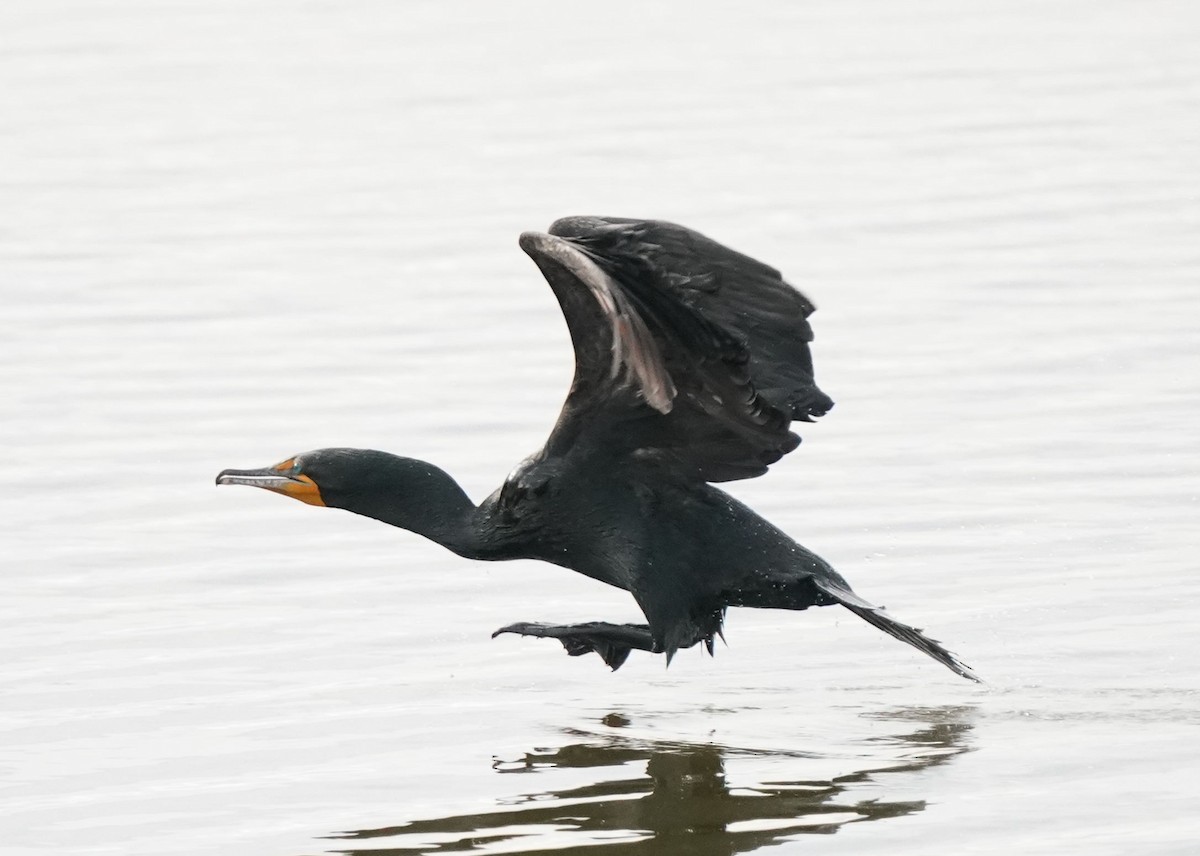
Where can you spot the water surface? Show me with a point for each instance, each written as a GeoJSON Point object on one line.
{"type": "Point", "coordinates": [230, 232]}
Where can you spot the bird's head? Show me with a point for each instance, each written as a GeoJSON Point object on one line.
{"type": "Point", "coordinates": [326, 477]}
{"type": "Point", "coordinates": [405, 492]}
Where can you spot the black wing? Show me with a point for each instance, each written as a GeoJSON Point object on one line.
{"type": "Point", "coordinates": [683, 347]}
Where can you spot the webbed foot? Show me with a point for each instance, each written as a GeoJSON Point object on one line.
{"type": "Point", "coordinates": [612, 642]}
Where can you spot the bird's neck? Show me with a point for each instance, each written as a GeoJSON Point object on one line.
{"type": "Point", "coordinates": [429, 502]}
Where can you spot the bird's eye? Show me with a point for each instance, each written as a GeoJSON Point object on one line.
{"type": "Point", "coordinates": [289, 467]}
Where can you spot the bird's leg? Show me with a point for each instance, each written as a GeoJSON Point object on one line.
{"type": "Point", "coordinates": [612, 642]}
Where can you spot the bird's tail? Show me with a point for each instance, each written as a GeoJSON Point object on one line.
{"type": "Point", "coordinates": [905, 633]}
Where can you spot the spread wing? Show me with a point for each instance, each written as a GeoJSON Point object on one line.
{"type": "Point", "coordinates": [684, 348]}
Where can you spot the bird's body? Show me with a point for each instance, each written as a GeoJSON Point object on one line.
{"type": "Point", "coordinates": [684, 551]}
{"type": "Point", "coordinates": [692, 361]}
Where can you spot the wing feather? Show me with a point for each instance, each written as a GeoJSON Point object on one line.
{"type": "Point", "coordinates": [684, 348]}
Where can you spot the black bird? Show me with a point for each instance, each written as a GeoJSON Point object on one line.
{"type": "Point", "coordinates": [691, 362]}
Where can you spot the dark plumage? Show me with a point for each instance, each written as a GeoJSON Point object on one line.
{"type": "Point", "coordinates": [692, 362]}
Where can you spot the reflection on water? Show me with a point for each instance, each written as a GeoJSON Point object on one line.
{"type": "Point", "coordinates": [668, 798]}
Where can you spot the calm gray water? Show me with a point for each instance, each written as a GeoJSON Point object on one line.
{"type": "Point", "coordinates": [233, 231]}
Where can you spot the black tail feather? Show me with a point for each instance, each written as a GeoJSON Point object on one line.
{"type": "Point", "coordinates": [876, 616]}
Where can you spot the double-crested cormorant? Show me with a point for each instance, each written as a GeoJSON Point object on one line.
{"type": "Point", "coordinates": [691, 362]}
